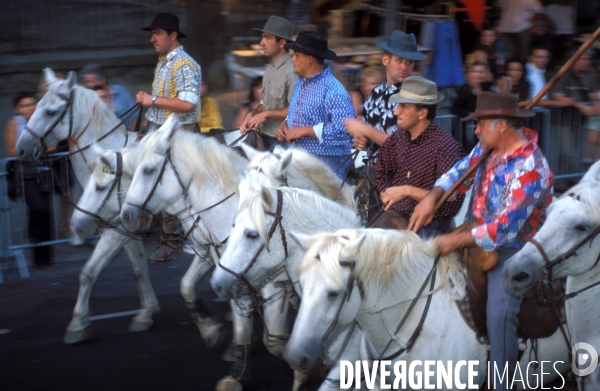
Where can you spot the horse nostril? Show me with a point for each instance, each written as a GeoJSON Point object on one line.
{"type": "Point", "coordinates": [218, 288]}
{"type": "Point", "coordinates": [303, 362]}
{"type": "Point", "coordinates": [520, 277]}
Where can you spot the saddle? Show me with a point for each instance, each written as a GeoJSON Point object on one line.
{"type": "Point", "coordinates": [535, 320]}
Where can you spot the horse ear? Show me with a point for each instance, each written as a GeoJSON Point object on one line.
{"type": "Point", "coordinates": [49, 76]}
{"type": "Point", "coordinates": [592, 174]}
{"type": "Point", "coordinates": [304, 241]}
{"type": "Point", "coordinates": [105, 161]}
{"type": "Point", "coordinates": [265, 194]}
{"type": "Point", "coordinates": [285, 161]}
{"type": "Point", "coordinates": [71, 80]}
{"type": "Point", "coordinates": [249, 151]}
{"type": "Point", "coordinates": [351, 249]}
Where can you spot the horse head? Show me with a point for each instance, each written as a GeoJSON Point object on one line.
{"type": "Point", "coordinates": [331, 298]}
{"type": "Point", "coordinates": [568, 236]}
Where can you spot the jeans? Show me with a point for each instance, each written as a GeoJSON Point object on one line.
{"type": "Point", "coordinates": [339, 164]}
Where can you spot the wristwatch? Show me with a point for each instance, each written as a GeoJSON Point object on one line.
{"type": "Point", "coordinates": [154, 99]}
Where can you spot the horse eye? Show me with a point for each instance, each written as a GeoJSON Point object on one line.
{"type": "Point", "coordinates": [148, 171]}
{"type": "Point", "coordinates": [333, 294]}
{"type": "Point", "coordinates": [581, 228]}
{"type": "Point", "coordinates": [100, 188]}
{"type": "Point", "coordinates": [252, 235]}
{"type": "Point", "coordinates": [50, 112]}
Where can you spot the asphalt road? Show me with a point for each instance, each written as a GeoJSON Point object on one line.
{"type": "Point", "coordinates": [35, 312]}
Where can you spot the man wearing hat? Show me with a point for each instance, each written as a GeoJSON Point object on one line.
{"type": "Point", "coordinates": [320, 105]}
{"type": "Point", "coordinates": [175, 91]}
{"type": "Point", "coordinates": [278, 80]}
{"type": "Point", "coordinates": [177, 78]}
{"type": "Point", "coordinates": [511, 192]}
{"type": "Point", "coordinates": [399, 60]}
{"type": "Point", "coordinates": [415, 156]}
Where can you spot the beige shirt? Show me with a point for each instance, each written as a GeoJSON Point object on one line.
{"type": "Point", "coordinates": [278, 85]}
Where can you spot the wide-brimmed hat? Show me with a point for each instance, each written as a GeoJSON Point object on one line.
{"type": "Point", "coordinates": [165, 21]}
{"type": "Point", "coordinates": [497, 105]}
{"type": "Point", "coordinates": [313, 44]}
{"type": "Point", "coordinates": [278, 27]}
{"type": "Point", "coordinates": [402, 45]}
{"type": "Point", "coordinates": [419, 91]}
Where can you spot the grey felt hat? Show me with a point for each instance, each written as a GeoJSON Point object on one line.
{"type": "Point", "coordinates": [402, 45]}
{"type": "Point", "coordinates": [278, 27]}
{"type": "Point", "coordinates": [419, 91]}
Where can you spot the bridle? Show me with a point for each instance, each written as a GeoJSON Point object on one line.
{"type": "Point", "coordinates": [276, 222]}
{"type": "Point", "coordinates": [50, 127]}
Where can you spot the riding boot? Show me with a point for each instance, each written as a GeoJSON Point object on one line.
{"type": "Point", "coordinates": [240, 369]}
{"type": "Point", "coordinates": [171, 241]}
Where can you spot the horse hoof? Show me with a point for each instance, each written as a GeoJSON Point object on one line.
{"type": "Point", "coordinates": [228, 384]}
{"type": "Point", "coordinates": [72, 337]}
{"type": "Point", "coordinates": [137, 326]}
{"type": "Point", "coordinates": [210, 332]}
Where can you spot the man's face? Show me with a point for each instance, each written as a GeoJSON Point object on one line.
{"type": "Point", "coordinates": [301, 63]}
{"type": "Point", "coordinates": [90, 81]}
{"type": "Point", "coordinates": [270, 46]}
{"type": "Point", "coordinates": [540, 58]}
{"type": "Point", "coordinates": [583, 63]}
{"type": "Point", "coordinates": [407, 115]}
{"type": "Point", "coordinates": [397, 68]}
{"type": "Point", "coordinates": [487, 135]}
{"type": "Point", "coordinates": [477, 74]}
{"type": "Point", "coordinates": [163, 43]}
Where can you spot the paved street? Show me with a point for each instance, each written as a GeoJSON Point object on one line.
{"type": "Point", "coordinates": [34, 313]}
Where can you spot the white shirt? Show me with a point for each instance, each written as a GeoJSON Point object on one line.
{"type": "Point", "coordinates": [536, 79]}
{"type": "Point", "coordinates": [517, 14]}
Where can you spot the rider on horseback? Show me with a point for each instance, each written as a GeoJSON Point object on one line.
{"type": "Point", "coordinates": [511, 192]}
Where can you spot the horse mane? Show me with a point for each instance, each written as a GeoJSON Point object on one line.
{"type": "Point", "coordinates": [303, 204]}
{"type": "Point", "coordinates": [304, 164]}
{"type": "Point", "coordinates": [588, 194]}
{"type": "Point", "coordinates": [385, 255]}
{"type": "Point", "coordinates": [87, 101]}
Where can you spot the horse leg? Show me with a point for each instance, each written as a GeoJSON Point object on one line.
{"type": "Point", "coordinates": [299, 380]}
{"type": "Point", "coordinates": [209, 328]}
{"type": "Point", "coordinates": [108, 245]}
{"type": "Point", "coordinates": [143, 320]}
{"type": "Point", "coordinates": [242, 308]}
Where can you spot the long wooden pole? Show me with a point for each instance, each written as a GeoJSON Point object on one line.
{"type": "Point", "coordinates": [529, 106]}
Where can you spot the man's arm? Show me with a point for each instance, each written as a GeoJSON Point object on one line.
{"type": "Point", "coordinates": [391, 195]}
{"type": "Point", "coordinates": [261, 117]}
{"type": "Point", "coordinates": [297, 132]}
{"type": "Point", "coordinates": [173, 104]}
{"type": "Point", "coordinates": [359, 129]}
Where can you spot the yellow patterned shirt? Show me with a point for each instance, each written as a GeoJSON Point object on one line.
{"type": "Point", "coordinates": [176, 75]}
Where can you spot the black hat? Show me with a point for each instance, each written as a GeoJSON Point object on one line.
{"type": "Point", "coordinates": [165, 21]}
{"type": "Point", "coordinates": [311, 43]}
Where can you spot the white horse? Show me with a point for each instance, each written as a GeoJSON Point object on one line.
{"type": "Point", "coordinates": [71, 112]}
{"type": "Point", "coordinates": [165, 173]}
{"type": "Point", "coordinates": [247, 258]}
{"type": "Point", "coordinates": [373, 276]}
{"type": "Point", "coordinates": [569, 236]}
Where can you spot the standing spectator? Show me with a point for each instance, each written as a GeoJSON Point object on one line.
{"type": "Point", "coordinates": [488, 50]}
{"type": "Point", "coordinates": [542, 31]}
{"type": "Point", "coordinates": [254, 99]}
{"type": "Point", "coordinates": [118, 98]}
{"type": "Point", "coordinates": [466, 96]}
{"type": "Point", "coordinates": [515, 82]}
{"type": "Point", "coordinates": [369, 78]}
{"type": "Point", "coordinates": [379, 122]}
{"type": "Point", "coordinates": [211, 114]}
{"type": "Point", "coordinates": [102, 93]}
{"type": "Point", "coordinates": [576, 88]}
{"type": "Point", "coordinates": [320, 105]}
{"type": "Point", "coordinates": [535, 74]}
{"type": "Point", "coordinates": [175, 91]}
{"type": "Point", "coordinates": [563, 16]}
{"type": "Point", "coordinates": [278, 80]}
{"type": "Point", "coordinates": [515, 25]}
{"type": "Point", "coordinates": [36, 183]}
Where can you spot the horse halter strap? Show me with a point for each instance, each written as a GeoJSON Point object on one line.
{"type": "Point", "coordinates": [277, 222]}
{"type": "Point", "coordinates": [68, 107]}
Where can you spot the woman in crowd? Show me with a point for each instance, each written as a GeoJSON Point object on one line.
{"type": "Point", "coordinates": [254, 98]}
{"type": "Point", "coordinates": [466, 96]}
{"type": "Point", "coordinates": [514, 82]}
{"type": "Point", "coordinates": [369, 78]}
{"type": "Point", "coordinates": [488, 50]}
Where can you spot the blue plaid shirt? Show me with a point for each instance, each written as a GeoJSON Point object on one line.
{"type": "Point", "coordinates": [322, 102]}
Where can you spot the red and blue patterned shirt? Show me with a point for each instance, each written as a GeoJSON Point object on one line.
{"type": "Point", "coordinates": [510, 196]}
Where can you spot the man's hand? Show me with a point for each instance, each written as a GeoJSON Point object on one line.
{"type": "Point", "coordinates": [294, 133]}
{"type": "Point", "coordinates": [424, 211]}
{"type": "Point", "coordinates": [143, 98]}
{"type": "Point", "coordinates": [355, 128]}
{"type": "Point", "coordinates": [447, 244]}
{"type": "Point", "coordinates": [391, 195]}
{"type": "Point", "coordinates": [257, 120]}
{"type": "Point", "coordinates": [281, 131]}
{"type": "Point", "coordinates": [244, 126]}
{"type": "Point", "coordinates": [360, 143]}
